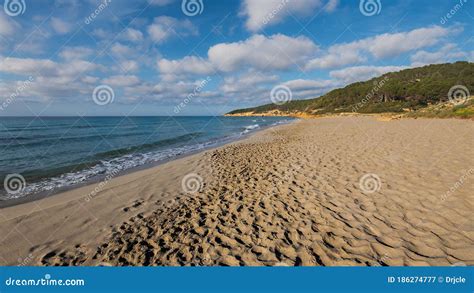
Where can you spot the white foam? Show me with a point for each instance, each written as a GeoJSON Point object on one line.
{"type": "Point", "coordinates": [250, 128]}
{"type": "Point", "coordinates": [116, 165]}
{"type": "Point", "coordinates": [106, 167]}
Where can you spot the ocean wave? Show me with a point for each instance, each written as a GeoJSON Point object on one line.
{"type": "Point", "coordinates": [35, 141]}
{"type": "Point", "coordinates": [147, 146]}
{"type": "Point", "coordinates": [249, 128]}
{"type": "Point", "coordinates": [107, 163]}
{"type": "Point", "coordinates": [114, 165]}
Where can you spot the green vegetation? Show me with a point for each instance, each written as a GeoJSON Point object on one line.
{"type": "Point", "coordinates": [404, 91]}
{"type": "Point", "coordinates": [446, 110]}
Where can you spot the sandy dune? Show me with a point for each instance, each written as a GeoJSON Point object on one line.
{"type": "Point", "coordinates": [331, 191]}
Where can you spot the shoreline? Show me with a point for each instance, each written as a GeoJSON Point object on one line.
{"type": "Point", "coordinates": [97, 179]}
{"type": "Point", "coordinates": [287, 195]}
{"type": "Point", "coordinates": [384, 115]}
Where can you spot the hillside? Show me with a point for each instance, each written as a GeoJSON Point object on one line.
{"type": "Point", "coordinates": [404, 91]}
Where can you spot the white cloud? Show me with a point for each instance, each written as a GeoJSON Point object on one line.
{"type": "Point", "coordinates": [362, 73]}
{"type": "Point", "coordinates": [132, 35]}
{"type": "Point", "coordinates": [277, 52]}
{"type": "Point", "coordinates": [122, 80]}
{"type": "Point", "coordinates": [46, 67]}
{"type": "Point", "coordinates": [305, 88]}
{"type": "Point", "coordinates": [257, 87]}
{"type": "Point", "coordinates": [90, 79]}
{"type": "Point", "coordinates": [261, 13]}
{"type": "Point", "coordinates": [158, 33]}
{"type": "Point", "coordinates": [121, 51]}
{"type": "Point", "coordinates": [261, 52]}
{"type": "Point", "coordinates": [247, 82]}
{"type": "Point", "coordinates": [247, 69]}
{"type": "Point", "coordinates": [70, 53]}
{"type": "Point", "coordinates": [385, 45]}
{"type": "Point", "coordinates": [305, 84]}
{"type": "Point", "coordinates": [7, 27]}
{"type": "Point", "coordinates": [129, 66]}
{"type": "Point", "coordinates": [76, 68]}
{"type": "Point", "coordinates": [35, 44]}
{"type": "Point", "coordinates": [337, 56]}
{"type": "Point", "coordinates": [51, 79]}
{"type": "Point", "coordinates": [164, 27]}
{"type": "Point", "coordinates": [100, 33]}
{"type": "Point", "coordinates": [60, 26]}
{"type": "Point", "coordinates": [187, 65]}
{"type": "Point", "coordinates": [447, 53]}
{"type": "Point", "coordinates": [58, 87]}
{"type": "Point", "coordinates": [175, 92]}
{"type": "Point", "coordinates": [27, 66]}
{"type": "Point", "coordinates": [380, 46]}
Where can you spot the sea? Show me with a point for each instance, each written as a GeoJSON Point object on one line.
{"type": "Point", "coordinates": [47, 154]}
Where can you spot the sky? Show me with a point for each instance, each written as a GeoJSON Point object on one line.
{"type": "Point", "coordinates": [205, 57]}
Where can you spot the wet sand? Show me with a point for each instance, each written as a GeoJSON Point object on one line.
{"type": "Point", "coordinates": [330, 191]}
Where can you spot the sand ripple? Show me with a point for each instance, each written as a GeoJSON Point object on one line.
{"type": "Point", "coordinates": [291, 196]}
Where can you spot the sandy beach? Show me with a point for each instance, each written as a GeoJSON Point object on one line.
{"type": "Point", "coordinates": [340, 191]}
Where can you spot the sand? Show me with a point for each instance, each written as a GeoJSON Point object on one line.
{"type": "Point", "coordinates": [332, 191]}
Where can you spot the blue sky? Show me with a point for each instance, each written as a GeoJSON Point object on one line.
{"type": "Point", "coordinates": [160, 57]}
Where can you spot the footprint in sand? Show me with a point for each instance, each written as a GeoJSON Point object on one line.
{"type": "Point", "coordinates": [135, 205]}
